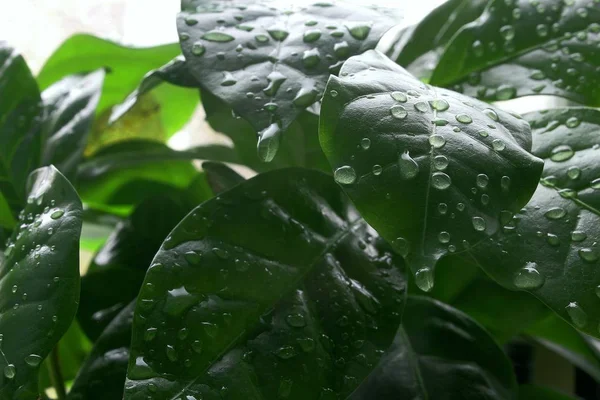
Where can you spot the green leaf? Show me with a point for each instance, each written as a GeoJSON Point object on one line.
{"type": "Point", "coordinates": [70, 106]}
{"type": "Point", "coordinates": [270, 63]}
{"type": "Point", "coordinates": [20, 136]}
{"type": "Point", "coordinates": [298, 148]}
{"type": "Point", "coordinates": [127, 172]}
{"type": "Point", "coordinates": [422, 46]}
{"type": "Point", "coordinates": [39, 281]}
{"type": "Point", "coordinates": [102, 376]}
{"type": "Point", "coordinates": [430, 169]}
{"type": "Point", "coordinates": [117, 271]}
{"type": "Point", "coordinates": [561, 338]}
{"type": "Point", "coordinates": [220, 177]}
{"type": "Point", "coordinates": [525, 48]}
{"type": "Point", "coordinates": [85, 53]}
{"type": "Point", "coordinates": [549, 248]}
{"type": "Point", "coordinates": [276, 288]}
{"type": "Point", "coordinates": [504, 313]}
{"type": "Point", "coordinates": [531, 392]}
{"type": "Point", "coordinates": [440, 353]}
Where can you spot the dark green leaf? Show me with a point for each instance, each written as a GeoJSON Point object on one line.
{"type": "Point", "coordinates": [114, 278]}
{"type": "Point", "coordinates": [558, 336]}
{"type": "Point", "coordinates": [521, 48]}
{"type": "Point", "coordinates": [103, 374]}
{"type": "Point", "coordinates": [430, 169]}
{"type": "Point", "coordinates": [420, 49]}
{"type": "Point", "coordinates": [550, 247]}
{"type": "Point", "coordinates": [298, 148]}
{"type": "Point", "coordinates": [39, 281]}
{"type": "Point", "coordinates": [70, 106]}
{"type": "Point", "coordinates": [440, 354]}
{"type": "Point", "coordinates": [220, 177]}
{"type": "Point", "coordinates": [20, 135]}
{"type": "Point", "coordinates": [276, 288]}
{"type": "Point", "coordinates": [270, 63]}
{"type": "Point", "coordinates": [530, 392]}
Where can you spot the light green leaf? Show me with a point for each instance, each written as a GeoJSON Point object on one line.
{"type": "Point", "coordinates": [520, 48]}
{"type": "Point", "coordinates": [550, 247]}
{"type": "Point", "coordinates": [39, 281]}
{"type": "Point", "coordinates": [270, 63]}
{"type": "Point", "coordinates": [276, 288]}
{"type": "Point", "coordinates": [432, 170]}
{"type": "Point", "coordinates": [440, 354]}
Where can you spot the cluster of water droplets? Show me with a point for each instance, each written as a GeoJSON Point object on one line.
{"type": "Point", "coordinates": [564, 58]}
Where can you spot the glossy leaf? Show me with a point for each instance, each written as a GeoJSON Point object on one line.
{"type": "Point", "coordinates": [440, 353]}
{"type": "Point", "coordinates": [39, 281]}
{"type": "Point", "coordinates": [561, 338]}
{"type": "Point", "coordinates": [549, 248]}
{"type": "Point", "coordinates": [274, 288]}
{"type": "Point", "coordinates": [70, 106]}
{"type": "Point", "coordinates": [270, 63]}
{"type": "Point", "coordinates": [299, 146]}
{"type": "Point", "coordinates": [421, 48]}
{"type": "Point", "coordinates": [20, 136]}
{"type": "Point", "coordinates": [531, 392]}
{"type": "Point", "coordinates": [220, 177]}
{"type": "Point", "coordinates": [521, 48]}
{"type": "Point", "coordinates": [432, 170]}
{"type": "Point", "coordinates": [102, 376]}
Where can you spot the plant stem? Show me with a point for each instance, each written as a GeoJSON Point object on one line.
{"type": "Point", "coordinates": [56, 374]}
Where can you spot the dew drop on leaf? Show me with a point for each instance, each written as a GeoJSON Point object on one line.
{"type": "Point", "coordinates": [440, 181]}
{"type": "Point", "coordinates": [577, 315]}
{"type": "Point", "coordinates": [424, 279]}
{"type": "Point", "coordinates": [345, 175]}
{"type": "Point", "coordinates": [409, 168]}
{"type": "Point", "coordinates": [529, 277]}
{"type": "Point", "coordinates": [398, 112]}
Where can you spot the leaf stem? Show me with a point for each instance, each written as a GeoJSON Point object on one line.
{"type": "Point", "coordinates": [56, 377]}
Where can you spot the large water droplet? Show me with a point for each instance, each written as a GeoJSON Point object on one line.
{"type": "Point", "coordinates": [198, 49]}
{"type": "Point", "coordinates": [295, 320]}
{"type": "Point", "coordinates": [401, 246]}
{"type": "Point", "coordinates": [577, 315]}
{"type": "Point", "coordinates": [478, 224]}
{"type": "Point", "coordinates": [217, 36]}
{"type": "Point", "coordinates": [228, 79]}
{"type": "Point", "coordinates": [345, 175]}
{"type": "Point", "coordinates": [424, 279]}
{"type": "Point", "coordinates": [482, 181]}
{"type": "Point", "coordinates": [312, 35]}
{"type": "Point", "coordinates": [464, 119]}
{"type": "Point", "coordinates": [278, 33]}
{"type": "Point", "coordinates": [305, 97]}
{"type": "Point", "coordinates": [33, 360]}
{"type": "Point", "coordinates": [57, 214]}
{"type": "Point", "coordinates": [440, 163]}
{"type": "Point", "coordinates": [437, 141]}
{"type": "Point", "coordinates": [341, 49]}
{"type": "Point", "coordinates": [529, 277]}
{"type": "Point", "coordinates": [409, 168]}
{"type": "Point", "coordinates": [399, 97]}
{"type": "Point", "coordinates": [398, 112]}
{"type": "Point", "coordinates": [358, 30]}
{"type": "Point", "coordinates": [311, 58]}
{"type": "Point", "coordinates": [439, 104]}
{"type": "Point", "coordinates": [275, 79]}
{"type": "Point", "coordinates": [10, 371]}
{"type": "Point", "coordinates": [561, 153]}
{"type": "Point", "coordinates": [285, 352]}
{"type": "Point", "coordinates": [440, 181]}
{"type": "Point", "coordinates": [588, 255]}
{"type": "Point", "coordinates": [268, 142]}
{"type": "Point", "coordinates": [555, 213]}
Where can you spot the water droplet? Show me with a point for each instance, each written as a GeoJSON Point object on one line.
{"type": "Point", "coordinates": [311, 58]}
{"type": "Point", "coordinates": [399, 97]}
{"type": "Point", "coordinates": [505, 183]}
{"type": "Point", "coordinates": [285, 352]}
{"type": "Point", "coordinates": [268, 142]}
{"type": "Point", "coordinates": [482, 180]}
{"type": "Point", "coordinates": [409, 168]}
{"type": "Point", "coordinates": [440, 181]}
{"type": "Point", "coordinates": [295, 320]}
{"type": "Point", "coordinates": [10, 371]}
{"type": "Point", "coordinates": [574, 172]}
{"type": "Point", "coordinates": [478, 224]}
{"type": "Point", "coordinates": [437, 141]}
{"type": "Point", "coordinates": [198, 49]}
{"type": "Point", "coordinates": [444, 237]}
{"type": "Point", "coordinates": [377, 169]}
{"type": "Point", "coordinates": [260, 38]}
{"type": "Point", "coordinates": [498, 145]}
{"type": "Point", "coordinates": [312, 35]}
{"type": "Point", "coordinates": [424, 279]}
{"type": "Point", "coordinates": [33, 360]}
{"type": "Point", "coordinates": [440, 163]}
{"type": "Point", "coordinates": [197, 346]}
{"type": "Point", "coordinates": [150, 334]}
{"type": "Point", "coordinates": [439, 104]}
{"type": "Point", "coordinates": [555, 213]}
{"type": "Point", "coordinates": [507, 32]}
{"type": "Point", "coordinates": [275, 79]}
{"type": "Point", "coordinates": [365, 143]}
{"type": "Point", "coordinates": [578, 236]}
{"type": "Point", "coordinates": [573, 122]}
{"type": "Point", "coordinates": [401, 246]}
{"type": "Point", "coordinates": [341, 49]}
{"type": "Point", "coordinates": [588, 255]}
{"type": "Point", "coordinates": [542, 30]}
{"type": "Point", "coordinates": [398, 112]}
{"type": "Point", "coordinates": [421, 106]}
{"type": "Point", "coordinates": [492, 114]}
{"type": "Point", "coordinates": [529, 277]}
{"type": "Point", "coordinates": [443, 208]}
{"type": "Point", "coordinates": [477, 48]}
{"type": "Point", "coordinates": [577, 315]}
{"type": "Point", "coordinates": [305, 97]}
{"type": "Point", "coordinates": [561, 153]}
{"type": "Point", "coordinates": [464, 119]}
{"type": "Point", "coordinates": [345, 175]}
{"type": "Point", "coordinates": [278, 33]}
{"type": "Point", "coordinates": [358, 30]}
{"type": "Point", "coordinates": [217, 36]}
{"type": "Point", "coordinates": [57, 214]}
